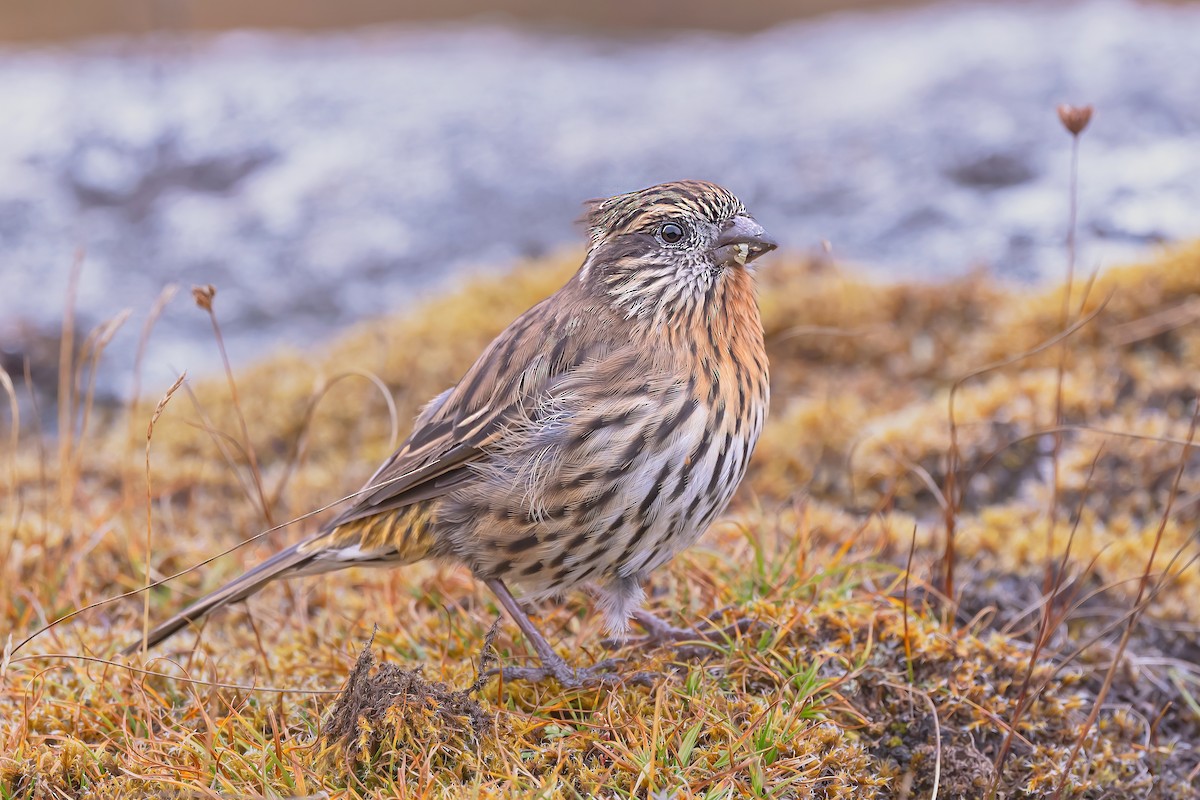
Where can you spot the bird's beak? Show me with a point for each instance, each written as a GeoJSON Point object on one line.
{"type": "Point", "coordinates": [741, 241]}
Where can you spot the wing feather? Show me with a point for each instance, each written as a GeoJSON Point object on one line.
{"type": "Point", "coordinates": [458, 427]}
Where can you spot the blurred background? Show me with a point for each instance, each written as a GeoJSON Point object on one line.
{"type": "Point", "coordinates": [325, 162]}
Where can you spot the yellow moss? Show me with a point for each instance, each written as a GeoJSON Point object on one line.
{"type": "Point", "coordinates": [827, 699]}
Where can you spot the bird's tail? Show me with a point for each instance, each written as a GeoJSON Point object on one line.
{"type": "Point", "coordinates": [299, 559]}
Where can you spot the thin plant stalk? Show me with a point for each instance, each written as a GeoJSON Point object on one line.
{"type": "Point", "coordinates": [204, 298]}
{"type": "Point", "coordinates": [1138, 609]}
{"type": "Point", "coordinates": [1064, 321]}
{"type": "Point", "coordinates": [66, 387]}
{"type": "Point", "coordinates": [1048, 622]}
{"type": "Point", "coordinates": [14, 437]}
{"type": "Point", "coordinates": [162, 404]}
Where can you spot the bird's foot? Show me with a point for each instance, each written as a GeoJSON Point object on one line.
{"type": "Point", "coordinates": [602, 673]}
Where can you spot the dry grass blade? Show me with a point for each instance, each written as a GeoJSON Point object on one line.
{"type": "Point", "coordinates": [1047, 624]}
{"type": "Point", "coordinates": [1134, 615]}
{"type": "Point", "coordinates": [937, 733]}
{"type": "Point", "coordinates": [842, 621]}
{"type": "Point", "coordinates": [299, 443]}
{"type": "Point", "coordinates": [161, 302]}
{"type": "Point", "coordinates": [1158, 323]}
{"type": "Point", "coordinates": [1041, 347]}
{"type": "Point", "coordinates": [158, 410]}
{"type": "Point", "coordinates": [149, 673]}
{"type": "Point", "coordinates": [1075, 120]}
{"type": "Point", "coordinates": [198, 565]}
{"type": "Point", "coordinates": [14, 441]}
{"type": "Point", "coordinates": [912, 548]}
{"type": "Point", "coordinates": [93, 348]}
{"type": "Point", "coordinates": [951, 490]}
{"type": "Point", "coordinates": [937, 737]}
{"type": "Point", "coordinates": [204, 296]}
{"type": "Point", "coordinates": [66, 388]}
{"type": "Point", "coordinates": [222, 442]}
{"type": "Point", "coordinates": [1076, 428]}
{"type": "Point", "coordinates": [1187, 682]}
{"type": "Point", "coordinates": [1104, 631]}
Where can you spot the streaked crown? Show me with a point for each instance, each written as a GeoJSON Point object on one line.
{"type": "Point", "coordinates": [645, 210]}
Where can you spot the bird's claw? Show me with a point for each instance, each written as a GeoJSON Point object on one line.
{"type": "Point", "coordinates": [602, 673]}
{"type": "Point", "coordinates": [701, 640]}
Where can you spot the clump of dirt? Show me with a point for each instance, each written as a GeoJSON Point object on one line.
{"type": "Point", "coordinates": [386, 709]}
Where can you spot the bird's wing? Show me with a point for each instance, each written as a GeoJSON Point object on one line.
{"type": "Point", "coordinates": [505, 385]}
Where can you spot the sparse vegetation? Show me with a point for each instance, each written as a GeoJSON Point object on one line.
{"type": "Point", "coordinates": [863, 681]}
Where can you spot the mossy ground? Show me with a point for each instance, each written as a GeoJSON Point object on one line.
{"type": "Point", "coordinates": [860, 682]}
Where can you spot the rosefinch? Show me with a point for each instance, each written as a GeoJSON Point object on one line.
{"type": "Point", "coordinates": [596, 437]}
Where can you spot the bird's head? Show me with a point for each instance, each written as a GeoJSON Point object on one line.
{"type": "Point", "coordinates": [665, 248]}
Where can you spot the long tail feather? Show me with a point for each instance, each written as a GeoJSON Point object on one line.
{"type": "Point", "coordinates": [291, 562]}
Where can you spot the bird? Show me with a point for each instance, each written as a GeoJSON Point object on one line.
{"type": "Point", "coordinates": [594, 439]}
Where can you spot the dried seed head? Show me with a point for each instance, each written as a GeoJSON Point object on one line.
{"type": "Point", "coordinates": [1075, 118]}
{"type": "Point", "coordinates": [204, 295]}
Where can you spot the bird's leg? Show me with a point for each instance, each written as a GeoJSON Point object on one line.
{"type": "Point", "coordinates": [552, 664]}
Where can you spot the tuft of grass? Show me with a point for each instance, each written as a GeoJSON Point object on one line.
{"type": "Point", "coordinates": [854, 684]}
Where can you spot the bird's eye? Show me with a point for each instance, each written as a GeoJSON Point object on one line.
{"type": "Point", "coordinates": [671, 232]}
